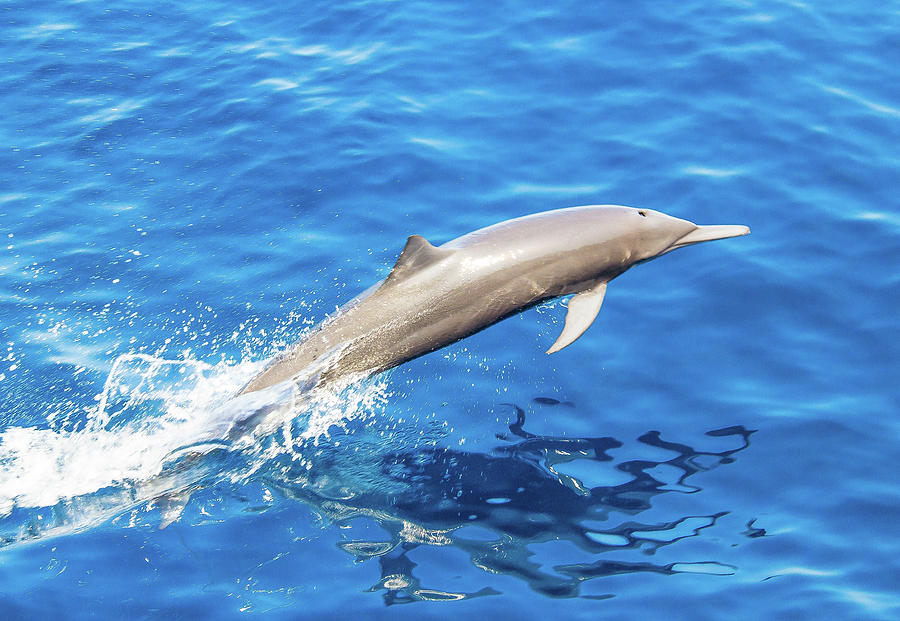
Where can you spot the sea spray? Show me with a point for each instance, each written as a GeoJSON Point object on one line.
{"type": "Point", "coordinates": [156, 433]}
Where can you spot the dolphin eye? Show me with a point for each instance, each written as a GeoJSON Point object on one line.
{"type": "Point", "coordinates": [643, 214]}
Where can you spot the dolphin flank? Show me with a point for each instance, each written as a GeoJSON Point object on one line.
{"type": "Point", "coordinates": [437, 295]}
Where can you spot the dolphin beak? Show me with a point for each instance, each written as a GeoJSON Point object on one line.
{"type": "Point", "coordinates": [710, 233]}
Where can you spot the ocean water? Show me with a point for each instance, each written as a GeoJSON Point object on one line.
{"type": "Point", "coordinates": [186, 188]}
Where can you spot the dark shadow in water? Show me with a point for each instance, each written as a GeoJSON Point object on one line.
{"type": "Point", "coordinates": [500, 506]}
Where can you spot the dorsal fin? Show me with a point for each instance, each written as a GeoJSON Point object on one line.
{"type": "Point", "coordinates": [417, 254]}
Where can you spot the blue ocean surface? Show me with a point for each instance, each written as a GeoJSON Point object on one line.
{"type": "Point", "coordinates": [188, 187]}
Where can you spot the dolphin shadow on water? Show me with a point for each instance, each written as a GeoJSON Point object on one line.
{"type": "Point", "coordinates": [497, 506]}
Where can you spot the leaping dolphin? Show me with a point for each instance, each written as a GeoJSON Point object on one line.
{"type": "Point", "coordinates": [437, 295]}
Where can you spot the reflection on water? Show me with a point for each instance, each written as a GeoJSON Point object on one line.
{"type": "Point", "coordinates": [497, 507]}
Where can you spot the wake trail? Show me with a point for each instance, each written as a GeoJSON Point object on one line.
{"type": "Point", "coordinates": [152, 438]}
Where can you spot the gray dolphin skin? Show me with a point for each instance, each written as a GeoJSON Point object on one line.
{"type": "Point", "coordinates": [437, 295]}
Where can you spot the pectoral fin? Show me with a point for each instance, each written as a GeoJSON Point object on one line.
{"type": "Point", "coordinates": [583, 308]}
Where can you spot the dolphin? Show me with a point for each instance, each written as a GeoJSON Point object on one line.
{"type": "Point", "coordinates": [437, 295]}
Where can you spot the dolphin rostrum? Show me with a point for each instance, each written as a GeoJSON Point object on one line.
{"type": "Point", "coordinates": [437, 295]}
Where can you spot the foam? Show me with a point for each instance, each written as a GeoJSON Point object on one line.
{"type": "Point", "coordinates": [141, 442]}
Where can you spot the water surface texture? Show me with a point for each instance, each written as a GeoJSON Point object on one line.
{"type": "Point", "coordinates": [186, 188]}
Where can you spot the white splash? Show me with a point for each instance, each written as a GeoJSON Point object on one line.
{"type": "Point", "coordinates": [151, 414]}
